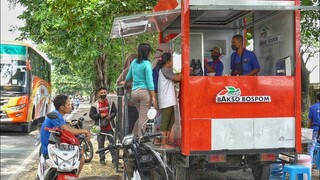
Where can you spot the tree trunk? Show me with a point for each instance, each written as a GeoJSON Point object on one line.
{"type": "Point", "coordinates": [305, 84]}
{"type": "Point", "coordinates": [101, 72]}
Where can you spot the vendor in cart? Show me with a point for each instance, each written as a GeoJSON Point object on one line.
{"type": "Point", "coordinates": [214, 67]}
{"type": "Point", "coordinates": [243, 62]}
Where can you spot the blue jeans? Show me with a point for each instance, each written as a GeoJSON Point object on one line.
{"type": "Point", "coordinates": [313, 144]}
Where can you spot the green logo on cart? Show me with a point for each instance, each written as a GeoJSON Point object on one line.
{"type": "Point", "coordinates": [233, 95]}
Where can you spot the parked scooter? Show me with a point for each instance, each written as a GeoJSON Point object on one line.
{"type": "Point", "coordinates": [140, 161]}
{"type": "Point", "coordinates": [85, 145]}
{"type": "Point", "coordinates": [64, 156]}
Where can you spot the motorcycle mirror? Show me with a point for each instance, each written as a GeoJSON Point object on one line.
{"type": "Point", "coordinates": [152, 112]}
{"type": "Point", "coordinates": [95, 130]}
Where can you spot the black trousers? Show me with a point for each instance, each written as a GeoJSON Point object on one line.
{"type": "Point", "coordinates": [133, 116]}
{"type": "Point", "coordinates": [101, 140]}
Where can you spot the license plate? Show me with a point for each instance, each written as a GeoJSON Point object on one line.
{"type": "Point", "coordinates": [65, 147]}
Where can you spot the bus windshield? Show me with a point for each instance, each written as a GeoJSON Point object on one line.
{"type": "Point", "coordinates": [13, 74]}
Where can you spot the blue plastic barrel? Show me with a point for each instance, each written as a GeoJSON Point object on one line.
{"type": "Point", "coordinates": [275, 171]}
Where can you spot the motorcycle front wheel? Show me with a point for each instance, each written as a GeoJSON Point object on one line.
{"type": "Point", "coordinates": [87, 150]}
{"type": "Point", "coordinates": [51, 175]}
{"type": "Point", "coordinates": [158, 174]}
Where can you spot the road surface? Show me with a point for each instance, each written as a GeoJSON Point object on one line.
{"type": "Point", "coordinates": [18, 151]}
{"type": "Point", "coordinates": [15, 150]}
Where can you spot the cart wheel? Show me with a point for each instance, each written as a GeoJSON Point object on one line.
{"type": "Point", "coordinates": [261, 171]}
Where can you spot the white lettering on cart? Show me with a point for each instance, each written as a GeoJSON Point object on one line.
{"type": "Point", "coordinates": [233, 95]}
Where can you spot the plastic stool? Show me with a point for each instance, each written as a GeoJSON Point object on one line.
{"type": "Point", "coordinates": [316, 155]}
{"type": "Point", "coordinates": [296, 170]}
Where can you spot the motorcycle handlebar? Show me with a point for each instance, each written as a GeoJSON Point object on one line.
{"type": "Point", "coordinates": [47, 129]}
{"type": "Point", "coordinates": [152, 135]}
{"type": "Point", "coordinates": [146, 138]}
{"type": "Point", "coordinates": [102, 150]}
{"type": "Point", "coordinates": [52, 130]}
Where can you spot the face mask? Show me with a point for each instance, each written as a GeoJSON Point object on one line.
{"type": "Point", "coordinates": [103, 96]}
{"type": "Point", "coordinates": [214, 58]}
{"type": "Point", "coordinates": [234, 47]}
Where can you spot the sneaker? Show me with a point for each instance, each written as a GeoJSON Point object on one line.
{"type": "Point", "coordinates": [103, 163]}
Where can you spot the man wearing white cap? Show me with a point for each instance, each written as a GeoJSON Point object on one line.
{"type": "Point", "coordinates": [214, 67]}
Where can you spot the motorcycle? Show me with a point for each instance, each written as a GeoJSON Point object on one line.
{"type": "Point", "coordinates": [64, 156]}
{"type": "Point", "coordinates": [85, 145]}
{"type": "Point", "coordinates": [140, 161]}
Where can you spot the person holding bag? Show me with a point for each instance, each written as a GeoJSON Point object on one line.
{"type": "Point", "coordinates": [102, 114]}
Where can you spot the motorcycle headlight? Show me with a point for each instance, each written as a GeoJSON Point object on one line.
{"type": "Point", "coordinates": [65, 166]}
{"type": "Point", "coordinates": [127, 139]}
{"type": "Point", "coordinates": [17, 108]}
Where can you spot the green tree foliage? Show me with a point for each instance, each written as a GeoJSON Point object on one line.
{"type": "Point", "coordinates": [77, 33]}
{"type": "Point", "coordinates": [310, 36]}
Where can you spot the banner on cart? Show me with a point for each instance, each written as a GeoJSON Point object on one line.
{"type": "Point", "coordinates": [233, 95]}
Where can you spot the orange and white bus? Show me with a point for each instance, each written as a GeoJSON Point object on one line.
{"type": "Point", "coordinates": [25, 85]}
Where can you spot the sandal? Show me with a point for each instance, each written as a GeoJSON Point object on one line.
{"type": "Point", "coordinates": [166, 145]}
{"type": "Point", "coordinates": [170, 142]}
{"type": "Point", "coordinates": [157, 141]}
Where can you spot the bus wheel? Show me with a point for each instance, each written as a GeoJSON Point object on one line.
{"type": "Point", "coordinates": [26, 127]}
{"type": "Point", "coordinates": [261, 171]}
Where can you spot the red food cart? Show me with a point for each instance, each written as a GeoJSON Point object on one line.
{"type": "Point", "coordinates": [230, 122]}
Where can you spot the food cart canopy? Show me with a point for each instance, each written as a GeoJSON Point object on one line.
{"type": "Point", "coordinates": [141, 23]}
{"type": "Point", "coordinates": [218, 15]}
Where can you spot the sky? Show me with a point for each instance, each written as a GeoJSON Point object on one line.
{"type": "Point", "coordinates": [9, 19]}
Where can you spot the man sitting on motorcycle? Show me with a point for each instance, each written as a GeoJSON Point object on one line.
{"type": "Point", "coordinates": [55, 119]}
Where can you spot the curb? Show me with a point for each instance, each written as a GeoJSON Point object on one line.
{"type": "Point", "coordinates": [25, 163]}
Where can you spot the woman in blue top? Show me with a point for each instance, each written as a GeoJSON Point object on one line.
{"type": "Point", "coordinates": [140, 73]}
